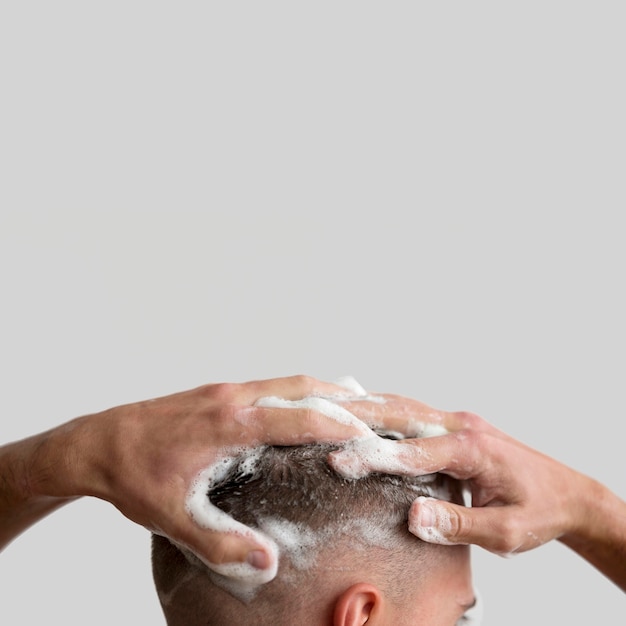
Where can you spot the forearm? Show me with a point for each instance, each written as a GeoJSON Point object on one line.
{"type": "Point", "coordinates": [600, 535]}
{"type": "Point", "coordinates": [37, 476]}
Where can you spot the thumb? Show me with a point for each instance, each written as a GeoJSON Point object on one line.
{"type": "Point", "coordinates": [497, 529]}
{"type": "Point", "coordinates": [445, 523]}
{"type": "Point", "coordinates": [434, 521]}
{"type": "Point", "coordinates": [246, 556]}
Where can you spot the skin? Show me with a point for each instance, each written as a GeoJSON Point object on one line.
{"type": "Point", "coordinates": [521, 498]}
{"type": "Point", "coordinates": [348, 592]}
{"type": "Point", "coordinates": [442, 598]}
{"type": "Point", "coordinates": [142, 457]}
{"type": "Point", "coordinates": [438, 599]}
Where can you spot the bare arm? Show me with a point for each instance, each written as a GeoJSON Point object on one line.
{"type": "Point", "coordinates": [28, 470]}
{"type": "Point", "coordinates": [143, 457]}
{"type": "Point", "coordinates": [600, 535]}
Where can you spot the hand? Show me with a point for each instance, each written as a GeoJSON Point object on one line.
{"type": "Point", "coordinates": [521, 498]}
{"type": "Point", "coordinates": [142, 458]}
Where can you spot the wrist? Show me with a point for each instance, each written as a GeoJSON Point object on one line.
{"type": "Point", "coordinates": [50, 463]}
{"type": "Point", "coordinates": [594, 506]}
{"type": "Point", "coordinates": [37, 476]}
{"type": "Point", "coordinates": [79, 455]}
{"type": "Point", "coordinates": [600, 538]}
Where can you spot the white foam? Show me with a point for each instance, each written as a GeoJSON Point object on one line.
{"type": "Point", "coordinates": [351, 384]}
{"type": "Point", "coordinates": [302, 545]}
{"type": "Point", "coordinates": [424, 430]}
{"type": "Point", "coordinates": [433, 534]}
{"type": "Point", "coordinates": [241, 588]}
{"type": "Point", "coordinates": [242, 578]}
{"type": "Point", "coordinates": [413, 429]}
{"type": "Point", "coordinates": [365, 453]}
{"type": "Point", "coordinates": [322, 405]}
{"type": "Point", "coordinates": [371, 534]}
{"type": "Point", "coordinates": [358, 392]}
{"type": "Point", "coordinates": [296, 541]}
{"type": "Point", "coordinates": [208, 516]}
{"type": "Point", "coordinates": [360, 457]}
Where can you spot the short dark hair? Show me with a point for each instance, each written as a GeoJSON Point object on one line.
{"type": "Point", "coordinates": [296, 486]}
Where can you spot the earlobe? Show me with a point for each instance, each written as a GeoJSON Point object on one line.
{"type": "Point", "coordinates": [357, 604]}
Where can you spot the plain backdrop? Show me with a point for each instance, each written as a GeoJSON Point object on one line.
{"type": "Point", "coordinates": [428, 198]}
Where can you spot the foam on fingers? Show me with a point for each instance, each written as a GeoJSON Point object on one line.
{"type": "Point", "coordinates": [360, 457]}
{"type": "Point", "coordinates": [430, 521]}
{"type": "Point", "coordinates": [365, 453]}
{"type": "Point", "coordinates": [208, 516]}
{"type": "Point", "coordinates": [321, 404]}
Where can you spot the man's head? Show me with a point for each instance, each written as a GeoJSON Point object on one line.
{"type": "Point", "coordinates": [346, 556]}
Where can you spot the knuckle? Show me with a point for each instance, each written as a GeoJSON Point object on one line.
{"type": "Point", "coordinates": [470, 421]}
{"type": "Point", "coordinates": [305, 382]}
{"type": "Point", "coordinates": [469, 453]}
{"type": "Point", "coordinates": [472, 440]}
{"type": "Point", "coordinates": [223, 392]}
{"type": "Point", "coordinates": [460, 526]}
{"type": "Point", "coordinates": [507, 535]}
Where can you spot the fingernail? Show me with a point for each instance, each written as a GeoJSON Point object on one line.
{"type": "Point", "coordinates": [258, 559]}
{"type": "Point", "coordinates": [427, 517]}
{"type": "Point", "coordinates": [430, 523]}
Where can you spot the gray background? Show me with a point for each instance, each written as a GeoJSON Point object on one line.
{"type": "Point", "coordinates": [426, 198]}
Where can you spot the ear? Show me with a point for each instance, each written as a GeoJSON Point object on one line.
{"type": "Point", "coordinates": [357, 604]}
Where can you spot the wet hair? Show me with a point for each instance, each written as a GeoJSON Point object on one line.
{"type": "Point", "coordinates": [316, 516]}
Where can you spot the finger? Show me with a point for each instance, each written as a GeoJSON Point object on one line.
{"type": "Point", "coordinates": [412, 418]}
{"type": "Point", "coordinates": [298, 387]}
{"type": "Point", "coordinates": [299, 422]}
{"type": "Point", "coordinates": [243, 556]}
{"type": "Point", "coordinates": [224, 544]}
{"type": "Point", "coordinates": [408, 417]}
{"type": "Point", "coordinates": [492, 528]}
{"type": "Point", "coordinates": [458, 454]}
